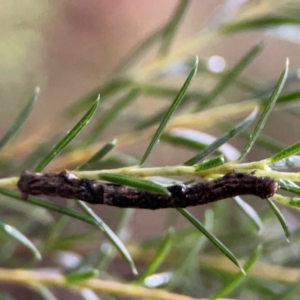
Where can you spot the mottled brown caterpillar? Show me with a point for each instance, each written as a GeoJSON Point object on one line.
{"type": "Point", "coordinates": [67, 185]}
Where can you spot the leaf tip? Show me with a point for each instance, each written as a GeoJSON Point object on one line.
{"type": "Point", "coordinates": [171, 230]}
{"type": "Point", "coordinates": [287, 62]}
{"type": "Point", "coordinates": [134, 270]}
{"type": "Point", "coordinates": [196, 64]}
{"type": "Point", "coordinates": [113, 142]}
{"type": "Point", "coordinates": [97, 100]}
{"type": "Point", "coordinates": [38, 256]}
{"type": "Point", "coordinates": [243, 271]}
{"type": "Point", "coordinates": [37, 90]}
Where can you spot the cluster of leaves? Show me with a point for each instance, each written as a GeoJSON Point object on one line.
{"type": "Point", "coordinates": [179, 251]}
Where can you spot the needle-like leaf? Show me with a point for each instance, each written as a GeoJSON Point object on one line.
{"type": "Point", "coordinates": [98, 155]}
{"type": "Point", "coordinates": [169, 113]}
{"type": "Point", "coordinates": [250, 212]}
{"type": "Point", "coordinates": [268, 108]}
{"type": "Point", "coordinates": [231, 75]}
{"type": "Point", "coordinates": [280, 218]}
{"type": "Point", "coordinates": [68, 138]}
{"type": "Point", "coordinates": [239, 277]}
{"type": "Point", "coordinates": [159, 257]}
{"type": "Point", "coordinates": [141, 184]}
{"type": "Point", "coordinates": [112, 237]}
{"type": "Point", "coordinates": [222, 140]}
{"type": "Point", "coordinates": [20, 119]}
{"type": "Point", "coordinates": [21, 238]}
{"type": "Point", "coordinates": [171, 28]}
{"type": "Point", "coordinates": [211, 237]}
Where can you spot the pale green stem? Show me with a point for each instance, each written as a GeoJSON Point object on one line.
{"type": "Point", "coordinates": [279, 175]}
{"type": "Point", "coordinates": [26, 277]}
{"type": "Point", "coordinates": [177, 170]}
{"type": "Point", "coordinates": [140, 172]}
{"type": "Point", "coordinates": [287, 201]}
{"type": "Point", "coordinates": [259, 168]}
{"type": "Point", "coordinates": [9, 182]}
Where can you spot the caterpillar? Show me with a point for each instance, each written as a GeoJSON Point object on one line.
{"type": "Point", "coordinates": [66, 185]}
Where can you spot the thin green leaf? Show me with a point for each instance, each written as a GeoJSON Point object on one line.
{"type": "Point", "coordinates": [53, 234]}
{"type": "Point", "coordinates": [81, 276]}
{"type": "Point", "coordinates": [183, 142]}
{"type": "Point", "coordinates": [250, 212]}
{"type": "Point", "coordinates": [172, 26]}
{"type": "Point", "coordinates": [263, 140]}
{"type": "Point", "coordinates": [112, 237]}
{"type": "Point", "coordinates": [285, 153]}
{"type": "Point", "coordinates": [293, 202]}
{"type": "Point", "coordinates": [286, 98]}
{"type": "Point", "coordinates": [89, 260]}
{"type": "Point", "coordinates": [159, 257]}
{"type": "Point", "coordinates": [121, 230]}
{"type": "Point", "coordinates": [68, 138]}
{"type": "Point", "coordinates": [222, 140]}
{"type": "Point", "coordinates": [22, 239]}
{"type": "Point", "coordinates": [139, 52]}
{"type": "Point", "coordinates": [8, 248]}
{"type": "Point", "coordinates": [289, 162]}
{"type": "Point", "coordinates": [50, 206]}
{"type": "Point", "coordinates": [268, 108]}
{"type": "Point", "coordinates": [152, 120]}
{"type": "Point", "coordinates": [36, 214]}
{"type": "Point", "coordinates": [112, 87]}
{"type": "Point", "coordinates": [211, 237]}
{"type": "Point", "coordinates": [285, 186]}
{"type": "Point", "coordinates": [231, 75]}
{"type": "Point", "coordinates": [172, 109]}
{"type": "Point", "coordinates": [280, 218]}
{"type": "Point", "coordinates": [237, 280]}
{"type": "Point", "coordinates": [166, 92]}
{"type": "Point", "coordinates": [20, 119]}
{"type": "Point", "coordinates": [191, 258]}
{"type": "Point", "coordinates": [123, 221]}
{"type": "Point", "coordinates": [258, 23]}
{"type": "Point", "coordinates": [98, 155]}
{"type": "Point", "coordinates": [110, 115]}
{"type": "Point", "coordinates": [141, 184]}
{"type": "Point", "coordinates": [117, 160]}
{"type": "Point", "coordinates": [44, 292]}
{"type": "Point", "coordinates": [210, 163]}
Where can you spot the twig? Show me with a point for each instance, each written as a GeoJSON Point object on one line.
{"type": "Point", "coordinates": [26, 277]}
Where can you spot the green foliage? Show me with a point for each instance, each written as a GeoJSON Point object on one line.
{"type": "Point", "coordinates": [20, 119]}
{"type": "Point", "coordinates": [169, 113]}
{"type": "Point", "coordinates": [222, 140]}
{"type": "Point", "coordinates": [188, 259]}
{"type": "Point", "coordinates": [68, 138]}
{"type": "Point", "coordinates": [250, 212]}
{"type": "Point", "coordinates": [211, 237]}
{"type": "Point", "coordinates": [267, 110]}
{"type": "Point", "coordinates": [231, 75]}
{"type": "Point", "coordinates": [141, 184]}
{"type": "Point", "coordinates": [17, 235]}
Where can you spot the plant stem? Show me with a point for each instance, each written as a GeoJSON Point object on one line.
{"type": "Point", "coordinates": [29, 278]}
